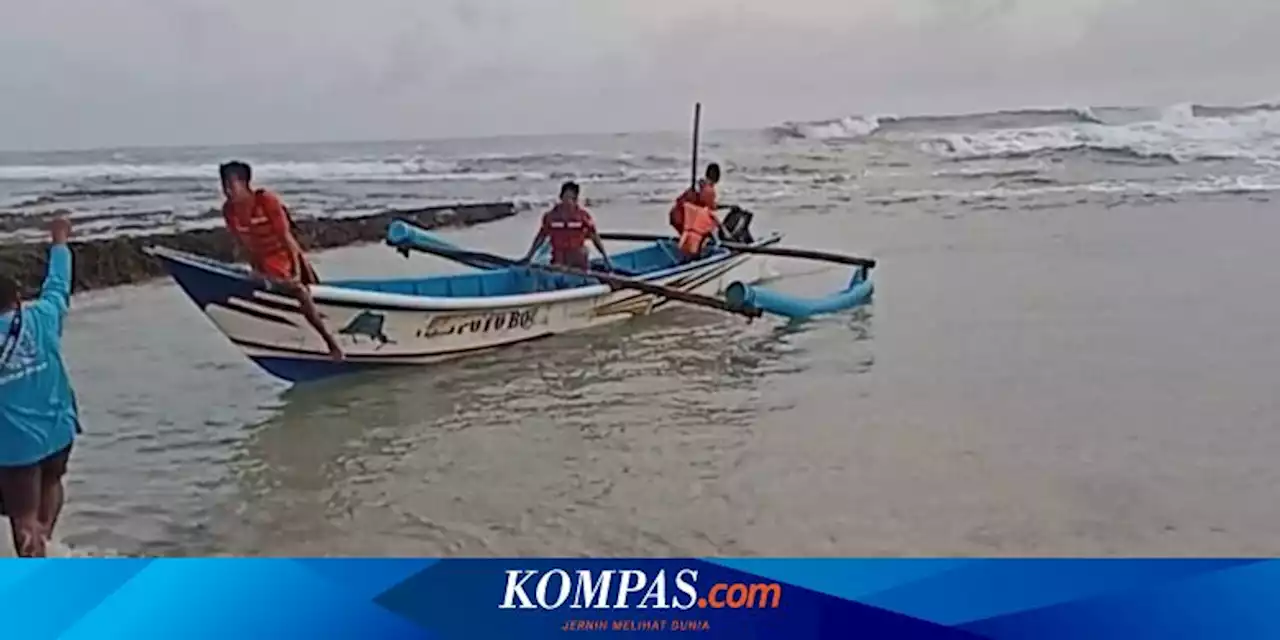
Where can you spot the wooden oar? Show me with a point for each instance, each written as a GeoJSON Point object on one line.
{"type": "Point", "coordinates": [613, 280]}
{"type": "Point", "coordinates": [746, 248]}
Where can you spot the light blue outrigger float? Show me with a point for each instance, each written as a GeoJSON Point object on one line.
{"type": "Point", "coordinates": [406, 236]}
{"type": "Point", "coordinates": [747, 296]}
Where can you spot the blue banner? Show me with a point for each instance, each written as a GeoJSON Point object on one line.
{"type": "Point", "coordinates": [474, 599]}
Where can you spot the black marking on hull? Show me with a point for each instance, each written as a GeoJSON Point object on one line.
{"type": "Point", "coordinates": [239, 306]}
{"type": "Point", "coordinates": [387, 358]}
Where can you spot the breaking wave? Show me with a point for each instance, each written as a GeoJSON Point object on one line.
{"type": "Point", "coordinates": [1176, 134]}
{"type": "Point", "coordinates": [857, 127]}
{"type": "Point", "coordinates": [847, 128]}
{"type": "Point", "coordinates": [491, 167]}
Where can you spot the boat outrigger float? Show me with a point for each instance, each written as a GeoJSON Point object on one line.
{"type": "Point", "coordinates": [418, 321]}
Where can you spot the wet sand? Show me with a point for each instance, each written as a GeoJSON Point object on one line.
{"type": "Point", "coordinates": [1082, 382]}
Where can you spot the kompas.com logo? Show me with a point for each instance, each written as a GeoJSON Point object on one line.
{"type": "Point", "coordinates": [631, 588]}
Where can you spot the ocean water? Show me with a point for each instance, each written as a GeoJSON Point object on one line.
{"type": "Point", "coordinates": [937, 164]}
{"type": "Point", "coordinates": [1073, 350]}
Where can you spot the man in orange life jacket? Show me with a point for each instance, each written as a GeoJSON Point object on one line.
{"type": "Point", "coordinates": [701, 195]}
{"type": "Point", "coordinates": [258, 221]}
{"type": "Point", "coordinates": [700, 226]}
{"type": "Point", "coordinates": [568, 226]}
{"type": "Point", "coordinates": [693, 215]}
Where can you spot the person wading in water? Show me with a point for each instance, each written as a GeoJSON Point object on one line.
{"type": "Point", "coordinates": [568, 226]}
{"type": "Point", "coordinates": [39, 419]}
{"type": "Point", "coordinates": [260, 224]}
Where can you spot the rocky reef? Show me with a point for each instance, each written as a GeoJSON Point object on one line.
{"type": "Point", "coordinates": [119, 260]}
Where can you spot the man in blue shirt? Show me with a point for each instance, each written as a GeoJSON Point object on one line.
{"type": "Point", "coordinates": [38, 418]}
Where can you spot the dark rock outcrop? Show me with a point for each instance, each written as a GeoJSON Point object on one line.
{"type": "Point", "coordinates": [120, 260]}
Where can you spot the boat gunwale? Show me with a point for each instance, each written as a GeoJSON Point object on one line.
{"type": "Point", "coordinates": [343, 296]}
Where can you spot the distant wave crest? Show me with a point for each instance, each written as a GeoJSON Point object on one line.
{"type": "Point", "coordinates": [491, 167]}
{"type": "Point", "coordinates": [857, 127]}
{"type": "Point", "coordinates": [847, 128]}
{"type": "Point", "coordinates": [1175, 134]}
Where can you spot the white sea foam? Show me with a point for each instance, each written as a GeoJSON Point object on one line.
{"type": "Point", "coordinates": [847, 128]}
{"type": "Point", "coordinates": [1177, 133]}
{"type": "Point", "coordinates": [488, 167]}
{"type": "Point", "coordinates": [1178, 136]}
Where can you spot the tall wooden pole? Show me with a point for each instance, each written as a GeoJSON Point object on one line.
{"type": "Point", "coordinates": [697, 126]}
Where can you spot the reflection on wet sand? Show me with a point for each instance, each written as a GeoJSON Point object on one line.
{"type": "Point", "coordinates": [590, 443]}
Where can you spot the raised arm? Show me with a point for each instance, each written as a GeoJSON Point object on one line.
{"type": "Point", "coordinates": [55, 293]}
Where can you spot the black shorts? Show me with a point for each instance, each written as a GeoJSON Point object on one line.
{"type": "Point", "coordinates": [20, 486]}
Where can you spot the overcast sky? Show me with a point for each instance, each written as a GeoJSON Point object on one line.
{"type": "Point", "coordinates": [82, 73]}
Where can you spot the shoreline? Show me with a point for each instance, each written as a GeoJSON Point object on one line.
{"type": "Point", "coordinates": [120, 260]}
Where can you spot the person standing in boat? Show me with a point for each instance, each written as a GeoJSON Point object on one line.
{"type": "Point", "coordinates": [261, 227]}
{"type": "Point", "coordinates": [703, 194]}
{"type": "Point", "coordinates": [568, 226]}
{"type": "Point", "coordinates": [38, 415]}
{"type": "Point", "coordinates": [693, 214]}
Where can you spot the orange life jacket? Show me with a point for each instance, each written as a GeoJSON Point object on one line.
{"type": "Point", "coordinates": [568, 230]}
{"type": "Point", "coordinates": [699, 224]}
{"type": "Point", "coordinates": [703, 196]}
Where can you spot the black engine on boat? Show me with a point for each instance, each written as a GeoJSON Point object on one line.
{"type": "Point", "coordinates": [737, 226]}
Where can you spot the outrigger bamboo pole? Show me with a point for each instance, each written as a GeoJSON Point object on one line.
{"type": "Point", "coordinates": [614, 281]}
{"type": "Point", "coordinates": [783, 252]}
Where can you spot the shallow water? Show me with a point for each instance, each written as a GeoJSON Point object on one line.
{"type": "Point", "coordinates": [1075, 381]}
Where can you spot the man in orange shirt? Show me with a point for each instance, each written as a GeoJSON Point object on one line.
{"type": "Point", "coordinates": [568, 226]}
{"type": "Point", "coordinates": [701, 195]}
{"type": "Point", "coordinates": [260, 224]}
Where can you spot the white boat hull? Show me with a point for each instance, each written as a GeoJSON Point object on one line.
{"type": "Point", "coordinates": [380, 329]}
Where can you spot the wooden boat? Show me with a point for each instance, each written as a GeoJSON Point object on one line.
{"type": "Point", "coordinates": [385, 323]}
{"type": "Point", "coordinates": [418, 321]}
